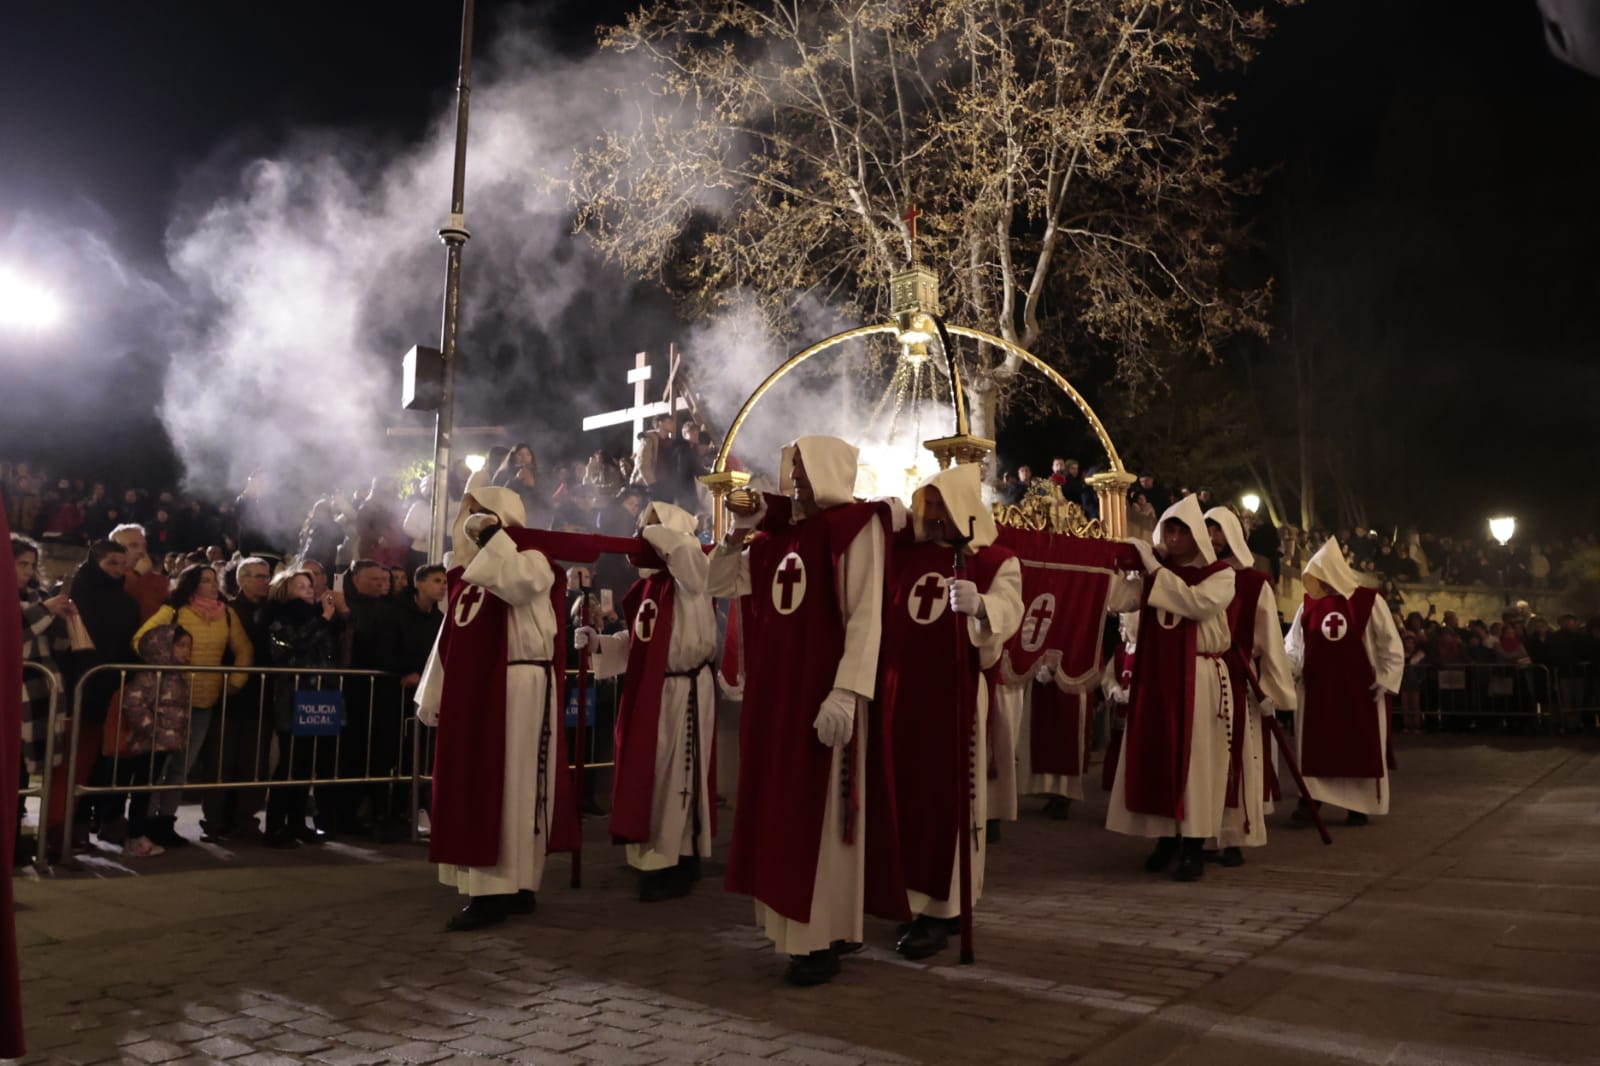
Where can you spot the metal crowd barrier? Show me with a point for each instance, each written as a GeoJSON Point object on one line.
{"type": "Point", "coordinates": [1488, 695]}
{"type": "Point", "coordinates": [416, 776]}
{"type": "Point", "coordinates": [39, 784]}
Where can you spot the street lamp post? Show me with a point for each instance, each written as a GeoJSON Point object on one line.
{"type": "Point", "coordinates": [454, 234]}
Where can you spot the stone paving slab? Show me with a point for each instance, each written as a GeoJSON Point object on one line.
{"type": "Point", "coordinates": [1460, 929]}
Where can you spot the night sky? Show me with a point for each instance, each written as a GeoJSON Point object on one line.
{"type": "Point", "coordinates": [1450, 160]}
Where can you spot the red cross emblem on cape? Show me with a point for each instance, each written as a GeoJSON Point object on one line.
{"type": "Point", "coordinates": [928, 599]}
{"type": "Point", "coordinates": [1335, 626]}
{"type": "Point", "coordinates": [468, 604]}
{"type": "Point", "coordinates": [644, 623]}
{"type": "Point", "coordinates": [789, 584]}
{"type": "Point", "coordinates": [1037, 620]}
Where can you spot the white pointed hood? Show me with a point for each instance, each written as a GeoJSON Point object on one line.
{"type": "Point", "coordinates": [1329, 567]}
{"type": "Point", "coordinates": [830, 466]}
{"type": "Point", "coordinates": [962, 490]}
{"type": "Point", "coordinates": [1233, 529]}
{"type": "Point", "coordinates": [1187, 511]}
{"type": "Point", "coordinates": [671, 516]}
{"type": "Point", "coordinates": [503, 502]}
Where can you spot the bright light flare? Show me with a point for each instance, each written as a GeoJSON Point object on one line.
{"type": "Point", "coordinates": [893, 469]}
{"type": "Point", "coordinates": [1502, 529]}
{"type": "Point", "coordinates": [24, 305]}
{"type": "Point", "coordinates": [474, 462]}
{"type": "Point", "coordinates": [1251, 501]}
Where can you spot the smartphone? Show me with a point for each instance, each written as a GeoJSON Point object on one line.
{"type": "Point", "coordinates": [338, 581]}
{"type": "Point", "coordinates": [606, 603]}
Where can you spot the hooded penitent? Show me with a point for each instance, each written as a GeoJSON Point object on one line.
{"type": "Point", "coordinates": [1234, 531]}
{"type": "Point", "coordinates": [961, 487]}
{"type": "Point", "coordinates": [830, 467]}
{"type": "Point", "coordinates": [1187, 511]}
{"type": "Point", "coordinates": [505, 504]}
{"type": "Point", "coordinates": [1329, 567]}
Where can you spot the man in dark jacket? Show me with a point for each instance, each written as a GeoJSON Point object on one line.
{"type": "Point", "coordinates": [112, 617]}
{"type": "Point", "coordinates": [373, 709]}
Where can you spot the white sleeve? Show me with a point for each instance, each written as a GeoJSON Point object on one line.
{"type": "Point", "coordinates": [1002, 607]}
{"type": "Point", "coordinates": [728, 573]}
{"type": "Point", "coordinates": [1272, 664]}
{"type": "Point", "coordinates": [430, 689]}
{"type": "Point", "coordinates": [609, 656]}
{"type": "Point", "coordinates": [685, 557]}
{"type": "Point", "coordinates": [861, 603]}
{"type": "Point", "coordinates": [1385, 651]}
{"type": "Point", "coordinates": [1294, 644]}
{"type": "Point", "coordinates": [1209, 598]}
{"type": "Point", "coordinates": [518, 577]}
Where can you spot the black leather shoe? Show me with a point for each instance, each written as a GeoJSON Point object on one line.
{"type": "Point", "coordinates": [845, 947]}
{"type": "Point", "coordinates": [479, 913]}
{"type": "Point", "coordinates": [524, 902]}
{"type": "Point", "coordinates": [164, 831]}
{"type": "Point", "coordinates": [1057, 807]}
{"type": "Point", "coordinates": [1232, 857]}
{"type": "Point", "coordinates": [210, 834]}
{"type": "Point", "coordinates": [306, 833]}
{"type": "Point", "coordinates": [926, 937]}
{"type": "Point", "coordinates": [1191, 866]}
{"type": "Point", "coordinates": [691, 865]}
{"type": "Point", "coordinates": [656, 886]}
{"type": "Point", "coordinates": [1161, 857]}
{"type": "Point", "coordinates": [1356, 818]}
{"type": "Point", "coordinates": [817, 968]}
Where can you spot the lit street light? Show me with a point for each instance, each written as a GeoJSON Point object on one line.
{"type": "Point", "coordinates": [1503, 529]}
{"type": "Point", "coordinates": [474, 463]}
{"type": "Point", "coordinates": [24, 305]}
{"type": "Point", "coordinates": [1251, 501]}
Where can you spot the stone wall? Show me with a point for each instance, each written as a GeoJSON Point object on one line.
{"type": "Point", "coordinates": [1468, 601]}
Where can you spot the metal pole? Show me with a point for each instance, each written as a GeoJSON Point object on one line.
{"type": "Point", "coordinates": [454, 235]}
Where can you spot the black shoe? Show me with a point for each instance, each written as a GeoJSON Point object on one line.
{"type": "Point", "coordinates": [306, 833]}
{"type": "Point", "coordinates": [817, 968]}
{"type": "Point", "coordinates": [1232, 857]}
{"type": "Point", "coordinates": [1302, 813]}
{"type": "Point", "coordinates": [1210, 855]}
{"type": "Point", "coordinates": [1191, 867]}
{"type": "Point", "coordinates": [991, 831]}
{"type": "Point", "coordinates": [281, 839]}
{"type": "Point", "coordinates": [926, 937]}
{"type": "Point", "coordinates": [691, 865]}
{"type": "Point", "coordinates": [1356, 818]}
{"type": "Point", "coordinates": [656, 886]}
{"type": "Point", "coordinates": [1161, 857]}
{"type": "Point", "coordinates": [479, 913]}
{"type": "Point", "coordinates": [1057, 807]}
{"type": "Point", "coordinates": [164, 831]}
{"type": "Point", "coordinates": [524, 902]}
{"type": "Point", "coordinates": [210, 835]}
{"type": "Point", "coordinates": [845, 947]}
{"type": "Point", "coordinates": [24, 851]}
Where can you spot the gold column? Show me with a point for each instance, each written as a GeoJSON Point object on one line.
{"type": "Point", "coordinates": [721, 483]}
{"type": "Point", "coordinates": [962, 448]}
{"type": "Point", "coordinates": [1112, 489]}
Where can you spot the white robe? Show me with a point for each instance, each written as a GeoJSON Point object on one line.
{"type": "Point", "coordinates": [838, 894]}
{"type": "Point", "coordinates": [1277, 682]}
{"type": "Point", "coordinates": [1387, 656]}
{"type": "Point", "coordinates": [523, 580]}
{"type": "Point", "coordinates": [1205, 790]}
{"type": "Point", "coordinates": [1009, 713]}
{"type": "Point", "coordinates": [693, 642]}
{"type": "Point", "coordinates": [1002, 603]}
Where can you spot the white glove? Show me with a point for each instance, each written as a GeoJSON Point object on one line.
{"type": "Point", "coordinates": [428, 715]}
{"type": "Point", "coordinates": [751, 521]}
{"type": "Point", "coordinates": [964, 598]}
{"type": "Point", "coordinates": [1378, 689]}
{"type": "Point", "coordinates": [1147, 553]}
{"type": "Point", "coordinates": [1044, 674]}
{"type": "Point", "coordinates": [478, 523]}
{"type": "Point", "coordinates": [1268, 708]}
{"type": "Point", "coordinates": [836, 719]}
{"type": "Point", "coordinates": [897, 511]}
{"type": "Point", "coordinates": [1119, 694]}
{"type": "Point", "coordinates": [585, 636]}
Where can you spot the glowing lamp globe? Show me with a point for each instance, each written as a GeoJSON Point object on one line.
{"type": "Point", "coordinates": [24, 305]}
{"type": "Point", "coordinates": [1503, 529]}
{"type": "Point", "coordinates": [474, 463]}
{"type": "Point", "coordinates": [1251, 501]}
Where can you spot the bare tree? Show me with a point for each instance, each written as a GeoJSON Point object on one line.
{"type": "Point", "coordinates": [1069, 157]}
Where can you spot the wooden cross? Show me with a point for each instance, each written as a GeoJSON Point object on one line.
{"type": "Point", "coordinates": [641, 409]}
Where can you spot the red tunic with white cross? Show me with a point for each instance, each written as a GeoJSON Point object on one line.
{"type": "Point", "coordinates": [1340, 729]}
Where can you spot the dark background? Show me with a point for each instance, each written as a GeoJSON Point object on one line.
{"type": "Point", "coordinates": [1432, 153]}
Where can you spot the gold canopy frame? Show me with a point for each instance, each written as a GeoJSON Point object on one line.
{"type": "Point", "coordinates": [1038, 511]}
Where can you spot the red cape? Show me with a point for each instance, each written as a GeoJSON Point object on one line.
{"type": "Point", "coordinates": [1155, 755]}
{"type": "Point", "coordinates": [1055, 743]}
{"type": "Point", "coordinates": [639, 715]}
{"type": "Point", "coordinates": [11, 1042]}
{"type": "Point", "coordinates": [1342, 736]}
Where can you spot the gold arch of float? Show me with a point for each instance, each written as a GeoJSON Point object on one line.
{"type": "Point", "coordinates": [1111, 486]}
{"type": "Point", "coordinates": [961, 331]}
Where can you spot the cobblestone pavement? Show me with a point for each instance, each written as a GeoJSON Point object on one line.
{"type": "Point", "coordinates": [1462, 929]}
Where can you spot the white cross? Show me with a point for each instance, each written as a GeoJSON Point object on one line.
{"type": "Point", "coordinates": [640, 410]}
